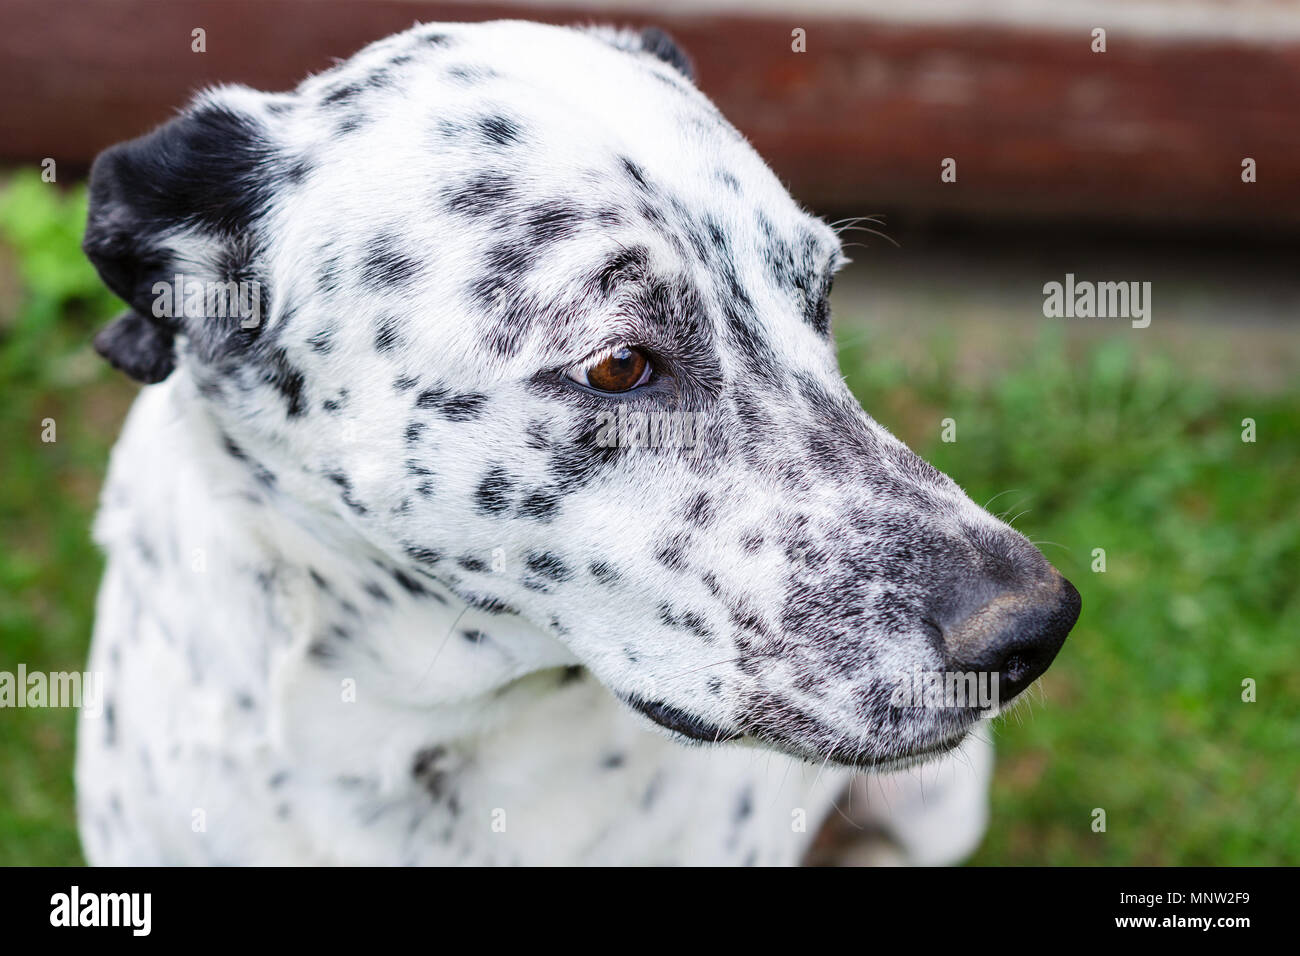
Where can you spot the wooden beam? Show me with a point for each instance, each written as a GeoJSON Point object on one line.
{"type": "Point", "coordinates": [1155, 128]}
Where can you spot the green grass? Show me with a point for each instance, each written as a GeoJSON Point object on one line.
{"type": "Point", "coordinates": [51, 302]}
{"type": "Point", "coordinates": [1141, 715]}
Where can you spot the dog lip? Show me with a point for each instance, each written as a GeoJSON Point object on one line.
{"type": "Point", "coordinates": [919, 754]}
{"type": "Point", "coordinates": [681, 721]}
{"type": "Point", "coordinates": [891, 762]}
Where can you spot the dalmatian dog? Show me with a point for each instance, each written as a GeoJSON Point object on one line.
{"type": "Point", "coordinates": [495, 497]}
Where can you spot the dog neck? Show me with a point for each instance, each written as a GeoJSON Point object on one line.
{"type": "Point", "coordinates": [319, 624]}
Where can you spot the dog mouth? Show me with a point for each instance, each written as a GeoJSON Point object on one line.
{"type": "Point", "coordinates": [696, 728]}
{"type": "Point", "coordinates": [918, 755]}
{"type": "Point", "coordinates": [869, 759]}
{"type": "Point", "coordinates": [682, 722]}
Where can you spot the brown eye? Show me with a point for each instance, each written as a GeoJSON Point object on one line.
{"type": "Point", "coordinates": [620, 371]}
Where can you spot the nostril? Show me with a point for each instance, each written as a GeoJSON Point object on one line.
{"type": "Point", "coordinates": [1015, 635]}
{"type": "Point", "coordinates": [1013, 667]}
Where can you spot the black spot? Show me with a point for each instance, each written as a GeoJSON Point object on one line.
{"type": "Point", "coordinates": [299, 170]}
{"type": "Point", "coordinates": [493, 492]}
{"type": "Point", "coordinates": [321, 652]}
{"type": "Point", "coordinates": [388, 335]}
{"type": "Point", "coordinates": [385, 265]}
{"type": "Point", "coordinates": [635, 173]}
{"type": "Point", "coordinates": [603, 572]}
{"type": "Point", "coordinates": [488, 604]}
{"type": "Point", "coordinates": [672, 553]}
{"type": "Point", "coordinates": [349, 124]}
{"type": "Point", "coordinates": [540, 505]}
{"type": "Point", "coordinates": [626, 265]}
{"type": "Point", "coordinates": [340, 401]}
{"type": "Point", "coordinates": [548, 223]}
{"type": "Point", "coordinates": [700, 510]}
{"type": "Point", "coordinates": [380, 79]}
{"type": "Point", "coordinates": [341, 94]}
{"type": "Point", "coordinates": [745, 806]}
{"type": "Point", "coordinates": [405, 383]}
{"type": "Point", "coordinates": [410, 585]}
{"type": "Point", "coordinates": [470, 75]}
{"type": "Point", "coordinates": [345, 485]}
{"type": "Point", "coordinates": [322, 341]}
{"type": "Point", "coordinates": [464, 408]}
{"type": "Point", "coordinates": [548, 565]}
{"type": "Point", "coordinates": [685, 620]}
{"type": "Point", "coordinates": [479, 195]}
{"type": "Point", "coordinates": [499, 130]}
{"type": "Point", "coordinates": [110, 724]}
{"type": "Point", "coordinates": [613, 761]}
{"type": "Point", "coordinates": [147, 553]}
{"type": "Point", "coordinates": [728, 180]}
{"type": "Point", "coordinates": [457, 408]}
{"type": "Point", "coordinates": [474, 636]}
{"type": "Point", "coordinates": [285, 379]}
{"type": "Point", "coordinates": [504, 266]}
{"type": "Point", "coordinates": [376, 592]}
{"type": "Point", "coordinates": [424, 555]}
{"type": "Point", "coordinates": [581, 461]}
{"type": "Point", "coordinates": [471, 563]}
{"type": "Point", "coordinates": [425, 770]}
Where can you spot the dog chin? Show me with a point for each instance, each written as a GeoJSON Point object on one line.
{"type": "Point", "coordinates": [699, 730]}
{"type": "Point", "coordinates": [867, 760]}
{"type": "Point", "coordinates": [921, 755]}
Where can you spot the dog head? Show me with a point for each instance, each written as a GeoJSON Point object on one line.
{"type": "Point", "coordinates": [517, 304]}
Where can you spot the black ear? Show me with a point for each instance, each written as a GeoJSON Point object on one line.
{"type": "Point", "coordinates": [173, 203]}
{"type": "Point", "coordinates": [138, 347]}
{"type": "Point", "coordinates": [658, 43]}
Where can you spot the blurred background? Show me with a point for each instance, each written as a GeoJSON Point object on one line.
{"type": "Point", "coordinates": [1114, 161]}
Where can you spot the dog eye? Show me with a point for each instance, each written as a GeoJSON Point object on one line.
{"type": "Point", "coordinates": [620, 371]}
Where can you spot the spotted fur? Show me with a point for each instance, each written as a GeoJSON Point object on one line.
{"type": "Point", "coordinates": [376, 590]}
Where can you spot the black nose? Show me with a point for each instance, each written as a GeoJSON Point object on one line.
{"type": "Point", "coordinates": [1015, 634]}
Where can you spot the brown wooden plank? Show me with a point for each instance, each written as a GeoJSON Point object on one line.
{"type": "Point", "coordinates": [1038, 123]}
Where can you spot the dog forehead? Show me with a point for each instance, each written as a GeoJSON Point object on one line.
{"type": "Point", "coordinates": [470, 163]}
{"type": "Point", "coordinates": [554, 110]}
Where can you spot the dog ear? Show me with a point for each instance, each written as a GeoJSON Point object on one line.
{"type": "Point", "coordinates": [138, 347]}
{"type": "Point", "coordinates": [658, 43]}
{"type": "Point", "coordinates": [179, 204]}
{"type": "Point", "coordinates": [650, 40]}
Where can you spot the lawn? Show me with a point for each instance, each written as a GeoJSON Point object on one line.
{"type": "Point", "coordinates": [1142, 716]}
